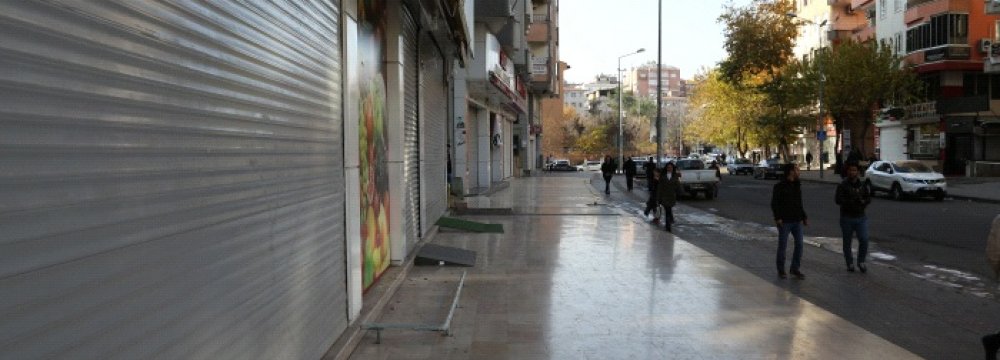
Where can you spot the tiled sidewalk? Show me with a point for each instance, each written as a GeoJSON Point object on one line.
{"type": "Point", "coordinates": [573, 280]}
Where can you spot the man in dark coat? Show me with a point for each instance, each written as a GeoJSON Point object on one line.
{"type": "Point", "coordinates": [608, 170]}
{"type": "Point", "coordinates": [651, 179]}
{"type": "Point", "coordinates": [666, 193]}
{"type": "Point", "coordinates": [790, 217]}
{"type": "Point", "coordinates": [853, 196]}
{"type": "Point", "coordinates": [629, 172]}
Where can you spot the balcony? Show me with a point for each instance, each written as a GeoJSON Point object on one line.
{"type": "Point", "coordinates": [539, 32]}
{"type": "Point", "coordinates": [539, 65]}
{"type": "Point", "coordinates": [919, 10]}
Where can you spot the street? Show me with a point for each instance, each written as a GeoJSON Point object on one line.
{"type": "Point", "coordinates": [950, 234]}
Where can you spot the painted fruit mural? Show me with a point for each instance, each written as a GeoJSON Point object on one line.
{"type": "Point", "coordinates": [372, 147]}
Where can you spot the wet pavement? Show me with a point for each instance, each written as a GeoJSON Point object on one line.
{"type": "Point", "coordinates": [579, 275]}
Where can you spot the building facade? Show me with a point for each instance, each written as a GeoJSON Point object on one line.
{"type": "Point", "coordinates": [225, 180]}
{"type": "Point", "coordinates": [642, 81]}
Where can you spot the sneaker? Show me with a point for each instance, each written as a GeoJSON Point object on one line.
{"type": "Point", "coordinates": [782, 274]}
{"type": "Point", "coordinates": [850, 268]}
{"type": "Point", "coordinates": [798, 274]}
{"type": "Point", "coordinates": [863, 267]}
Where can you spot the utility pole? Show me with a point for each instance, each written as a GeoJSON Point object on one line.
{"type": "Point", "coordinates": [659, 80]}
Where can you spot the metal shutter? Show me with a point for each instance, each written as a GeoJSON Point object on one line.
{"type": "Point", "coordinates": [433, 136]}
{"type": "Point", "coordinates": [171, 180]}
{"type": "Point", "coordinates": [411, 129]}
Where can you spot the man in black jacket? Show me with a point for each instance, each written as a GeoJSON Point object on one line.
{"type": "Point", "coordinates": [629, 172]}
{"type": "Point", "coordinates": [853, 196]}
{"type": "Point", "coordinates": [608, 170]}
{"type": "Point", "coordinates": [650, 169]}
{"type": "Point", "coordinates": [790, 217]}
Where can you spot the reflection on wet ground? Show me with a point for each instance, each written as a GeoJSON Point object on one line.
{"type": "Point", "coordinates": [571, 280]}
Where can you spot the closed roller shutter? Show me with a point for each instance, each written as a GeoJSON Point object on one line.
{"type": "Point", "coordinates": [411, 129]}
{"type": "Point", "coordinates": [433, 136]}
{"type": "Point", "coordinates": [170, 180]}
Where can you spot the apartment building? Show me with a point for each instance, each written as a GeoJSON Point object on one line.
{"type": "Point", "coordinates": [642, 81]}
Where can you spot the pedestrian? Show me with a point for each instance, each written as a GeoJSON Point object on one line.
{"type": "Point", "coordinates": [991, 343]}
{"type": "Point", "coordinates": [629, 173]}
{"type": "Point", "coordinates": [718, 172]}
{"type": "Point", "coordinates": [608, 170]}
{"type": "Point", "coordinates": [666, 193]}
{"type": "Point", "coordinates": [651, 180]}
{"type": "Point", "coordinates": [809, 160]}
{"type": "Point", "coordinates": [853, 196]}
{"type": "Point", "coordinates": [790, 217]}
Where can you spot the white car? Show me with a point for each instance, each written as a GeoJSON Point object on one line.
{"type": "Point", "coordinates": [590, 165]}
{"type": "Point", "coordinates": [905, 177]}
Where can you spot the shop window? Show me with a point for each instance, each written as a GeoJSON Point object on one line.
{"type": "Point", "coordinates": [926, 142]}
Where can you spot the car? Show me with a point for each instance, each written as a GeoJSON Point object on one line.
{"type": "Point", "coordinates": [739, 166]}
{"type": "Point", "coordinates": [640, 165]}
{"type": "Point", "coordinates": [770, 168]}
{"type": "Point", "coordinates": [590, 165]}
{"type": "Point", "coordinates": [696, 179]}
{"type": "Point", "coordinates": [562, 165]}
{"type": "Point", "coordinates": [905, 178]}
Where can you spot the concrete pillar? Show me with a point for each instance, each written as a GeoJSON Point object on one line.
{"type": "Point", "coordinates": [485, 153]}
{"type": "Point", "coordinates": [460, 126]}
{"type": "Point", "coordinates": [395, 94]}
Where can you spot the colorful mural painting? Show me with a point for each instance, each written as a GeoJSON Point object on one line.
{"type": "Point", "coordinates": [372, 145]}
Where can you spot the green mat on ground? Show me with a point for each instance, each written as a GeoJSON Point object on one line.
{"type": "Point", "coordinates": [473, 226]}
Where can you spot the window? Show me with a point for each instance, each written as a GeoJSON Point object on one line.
{"type": "Point", "coordinates": [945, 29]}
{"type": "Point", "coordinates": [975, 84]}
{"type": "Point", "coordinates": [898, 5]}
{"type": "Point", "coordinates": [882, 9]}
{"type": "Point", "coordinates": [899, 42]}
{"type": "Point", "coordinates": [925, 141]}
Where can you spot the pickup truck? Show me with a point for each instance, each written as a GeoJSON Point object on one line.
{"type": "Point", "coordinates": [695, 178]}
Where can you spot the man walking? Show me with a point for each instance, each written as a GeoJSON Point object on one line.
{"type": "Point", "coordinates": [853, 196]}
{"type": "Point", "coordinates": [608, 170]}
{"type": "Point", "coordinates": [629, 173]}
{"type": "Point", "coordinates": [809, 160]}
{"type": "Point", "coordinates": [651, 180]}
{"type": "Point", "coordinates": [790, 217]}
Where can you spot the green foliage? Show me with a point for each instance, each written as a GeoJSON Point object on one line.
{"type": "Point", "coordinates": [759, 38]}
{"type": "Point", "coordinates": [859, 78]}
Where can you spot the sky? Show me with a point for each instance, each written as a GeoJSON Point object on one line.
{"type": "Point", "coordinates": [594, 33]}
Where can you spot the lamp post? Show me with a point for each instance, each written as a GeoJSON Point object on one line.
{"type": "Point", "coordinates": [621, 160]}
{"type": "Point", "coordinates": [821, 85]}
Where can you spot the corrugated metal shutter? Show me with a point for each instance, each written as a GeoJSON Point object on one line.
{"type": "Point", "coordinates": [411, 129]}
{"type": "Point", "coordinates": [170, 180]}
{"type": "Point", "coordinates": [434, 109]}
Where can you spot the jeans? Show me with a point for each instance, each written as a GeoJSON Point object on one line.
{"type": "Point", "coordinates": [607, 184]}
{"type": "Point", "coordinates": [796, 229]}
{"type": "Point", "coordinates": [628, 182]}
{"type": "Point", "coordinates": [850, 226]}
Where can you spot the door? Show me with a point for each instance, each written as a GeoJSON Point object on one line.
{"type": "Point", "coordinates": [433, 131]}
{"type": "Point", "coordinates": [959, 150]}
{"type": "Point", "coordinates": [411, 129]}
{"type": "Point", "coordinates": [173, 182]}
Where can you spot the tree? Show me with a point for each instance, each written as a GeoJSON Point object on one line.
{"type": "Point", "coordinates": [724, 113]}
{"type": "Point", "coordinates": [759, 38]}
{"type": "Point", "coordinates": [788, 94]}
{"type": "Point", "coordinates": [860, 78]}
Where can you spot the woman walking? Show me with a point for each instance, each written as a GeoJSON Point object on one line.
{"type": "Point", "coordinates": [666, 193]}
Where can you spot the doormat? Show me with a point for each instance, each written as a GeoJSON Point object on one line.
{"type": "Point", "coordinates": [453, 223]}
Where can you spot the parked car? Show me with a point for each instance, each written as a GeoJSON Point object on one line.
{"type": "Point", "coordinates": [769, 169]}
{"type": "Point", "coordinates": [905, 178]}
{"type": "Point", "coordinates": [562, 165]}
{"type": "Point", "coordinates": [696, 179]}
{"type": "Point", "coordinates": [739, 166]}
{"type": "Point", "coordinates": [590, 165]}
{"type": "Point", "coordinates": [640, 162]}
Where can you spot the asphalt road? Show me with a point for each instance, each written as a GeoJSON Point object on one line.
{"type": "Point", "coordinates": [951, 233]}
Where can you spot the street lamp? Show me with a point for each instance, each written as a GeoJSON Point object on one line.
{"type": "Point", "coordinates": [820, 133]}
{"type": "Point", "coordinates": [621, 160]}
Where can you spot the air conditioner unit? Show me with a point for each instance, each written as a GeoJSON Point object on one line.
{"type": "Point", "coordinates": [985, 45]}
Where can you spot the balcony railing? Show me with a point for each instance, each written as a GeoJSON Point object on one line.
{"type": "Point", "coordinates": [539, 17]}
{"type": "Point", "coordinates": [914, 3]}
